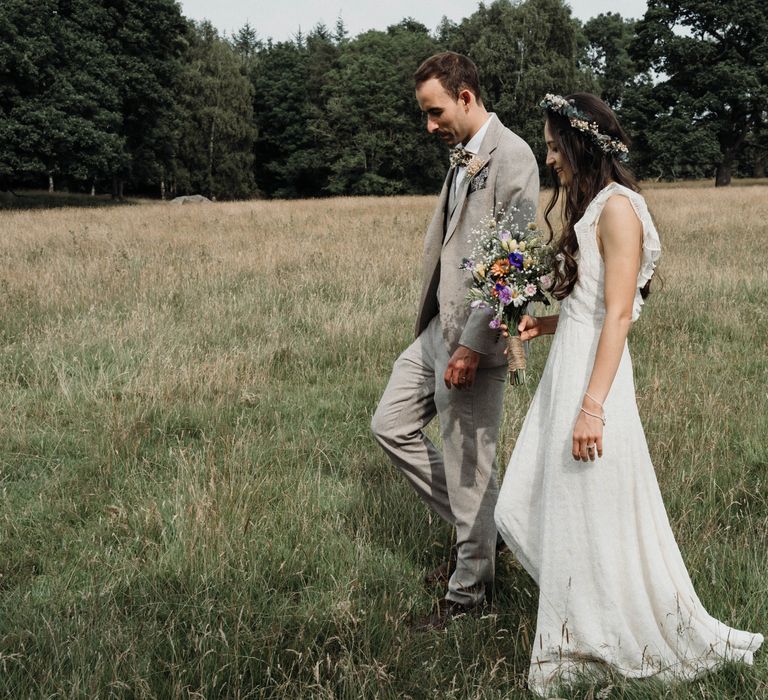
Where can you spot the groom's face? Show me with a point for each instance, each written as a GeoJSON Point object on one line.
{"type": "Point", "coordinates": [447, 117]}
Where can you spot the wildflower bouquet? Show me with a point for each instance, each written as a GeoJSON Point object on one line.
{"type": "Point", "coordinates": [510, 268]}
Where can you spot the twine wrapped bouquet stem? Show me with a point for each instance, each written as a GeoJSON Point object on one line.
{"type": "Point", "coordinates": [516, 362]}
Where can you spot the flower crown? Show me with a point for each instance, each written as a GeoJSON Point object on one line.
{"type": "Point", "coordinates": [581, 122]}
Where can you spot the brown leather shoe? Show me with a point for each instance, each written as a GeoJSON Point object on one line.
{"type": "Point", "coordinates": [440, 575]}
{"type": "Point", "coordinates": [444, 612]}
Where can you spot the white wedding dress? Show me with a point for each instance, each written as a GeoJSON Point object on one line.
{"type": "Point", "coordinates": [613, 589]}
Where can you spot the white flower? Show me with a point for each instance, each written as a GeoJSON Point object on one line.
{"type": "Point", "coordinates": [510, 245]}
{"type": "Point", "coordinates": [474, 167]}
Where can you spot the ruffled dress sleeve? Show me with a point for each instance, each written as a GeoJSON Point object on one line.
{"type": "Point", "coordinates": [651, 241]}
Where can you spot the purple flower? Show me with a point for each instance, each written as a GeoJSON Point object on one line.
{"type": "Point", "coordinates": [505, 236]}
{"type": "Point", "coordinates": [478, 304]}
{"type": "Point", "coordinates": [505, 295]}
{"type": "Point", "coordinates": [516, 260]}
{"type": "Point", "coordinates": [495, 323]}
{"type": "Point", "coordinates": [467, 264]}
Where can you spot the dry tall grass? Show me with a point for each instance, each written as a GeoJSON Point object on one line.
{"type": "Point", "coordinates": [193, 506]}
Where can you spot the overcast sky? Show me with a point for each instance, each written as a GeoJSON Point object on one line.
{"type": "Point", "coordinates": [280, 19]}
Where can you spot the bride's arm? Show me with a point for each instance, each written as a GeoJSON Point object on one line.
{"type": "Point", "coordinates": [620, 237]}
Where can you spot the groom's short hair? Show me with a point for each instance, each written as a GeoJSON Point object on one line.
{"type": "Point", "coordinates": [455, 72]}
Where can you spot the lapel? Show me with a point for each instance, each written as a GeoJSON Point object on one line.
{"type": "Point", "coordinates": [461, 193]}
{"type": "Point", "coordinates": [487, 147]}
{"type": "Point", "coordinates": [436, 231]}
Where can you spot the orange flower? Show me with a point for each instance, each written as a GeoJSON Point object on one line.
{"type": "Point", "coordinates": [500, 267]}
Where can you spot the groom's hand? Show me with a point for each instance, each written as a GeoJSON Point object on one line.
{"type": "Point", "coordinates": [462, 368]}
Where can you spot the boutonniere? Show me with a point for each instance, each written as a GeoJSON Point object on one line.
{"type": "Point", "coordinates": [475, 166]}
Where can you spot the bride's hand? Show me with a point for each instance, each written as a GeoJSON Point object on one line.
{"type": "Point", "coordinates": [588, 433]}
{"type": "Point", "coordinates": [529, 327]}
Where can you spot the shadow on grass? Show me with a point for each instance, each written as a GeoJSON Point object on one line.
{"type": "Point", "coordinates": [34, 199]}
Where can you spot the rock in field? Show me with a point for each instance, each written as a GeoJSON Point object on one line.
{"type": "Point", "coordinates": [190, 199]}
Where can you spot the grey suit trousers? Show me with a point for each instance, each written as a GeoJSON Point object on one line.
{"type": "Point", "coordinates": [460, 484]}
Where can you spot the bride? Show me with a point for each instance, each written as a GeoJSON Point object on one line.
{"type": "Point", "coordinates": [580, 505]}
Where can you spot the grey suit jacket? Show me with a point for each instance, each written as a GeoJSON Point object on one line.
{"type": "Point", "coordinates": [509, 179]}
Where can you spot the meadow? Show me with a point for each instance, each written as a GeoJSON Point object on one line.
{"type": "Point", "coordinates": [193, 505]}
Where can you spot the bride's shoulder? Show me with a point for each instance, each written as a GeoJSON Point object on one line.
{"type": "Point", "coordinates": [613, 190]}
{"type": "Point", "coordinates": [619, 204]}
{"type": "Point", "coordinates": [614, 202]}
{"type": "Point", "coordinates": [619, 199]}
{"type": "Point", "coordinates": [620, 212]}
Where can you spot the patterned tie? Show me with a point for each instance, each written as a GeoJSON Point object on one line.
{"type": "Point", "coordinates": [460, 156]}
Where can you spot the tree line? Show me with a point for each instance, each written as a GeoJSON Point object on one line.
{"type": "Point", "coordinates": [130, 96]}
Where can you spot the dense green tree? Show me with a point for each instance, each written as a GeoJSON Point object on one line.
{"type": "Point", "coordinates": [250, 49]}
{"type": "Point", "coordinates": [757, 150]}
{"type": "Point", "coordinates": [608, 38]}
{"type": "Point", "coordinates": [148, 39]}
{"type": "Point", "coordinates": [116, 91]}
{"type": "Point", "coordinates": [374, 131]}
{"type": "Point", "coordinates": [340, 33]}
{"type": "Point", "coordinates": [665, 147]}
{"type": "Point", "coordinates": [522, 52]}
{"type": "Point", "coordinates": [246, 42]}
{"type": "Point", "coordinates": [59, 106]}
{"type": "Point", "coordinates": [662, 148]}
{"type": "Point", "coordinates": [284, 165]}
{"type": "Point", "coordinates": [292, 144]}
{"type": "Point", "coordinates": [714, 57]}
{"type": "Point", "coordinates": [216, 132]}
{"type": "Point", "coordinates": [86, 90]}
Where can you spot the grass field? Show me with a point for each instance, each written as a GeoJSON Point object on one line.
{"type": "Point", "coordinates": [193, 506]}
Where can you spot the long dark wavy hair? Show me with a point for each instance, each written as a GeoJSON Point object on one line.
{"type": "Point", "coordinates": [592, 170]}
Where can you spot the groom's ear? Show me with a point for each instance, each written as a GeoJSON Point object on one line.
{"type": "Point", "coordinates": [466, 98]}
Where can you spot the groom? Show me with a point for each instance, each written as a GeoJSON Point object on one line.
{"type": "Point", "coordinates": [456, 368]}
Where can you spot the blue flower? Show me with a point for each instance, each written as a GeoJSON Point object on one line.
{"type": "Point", "coordinates": [516, 260]}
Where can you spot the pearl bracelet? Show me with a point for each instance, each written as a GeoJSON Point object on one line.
{"type": "Point", "coordinates": [586, 393]}
{"type": "Point", "coordinates": [594, 415]}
